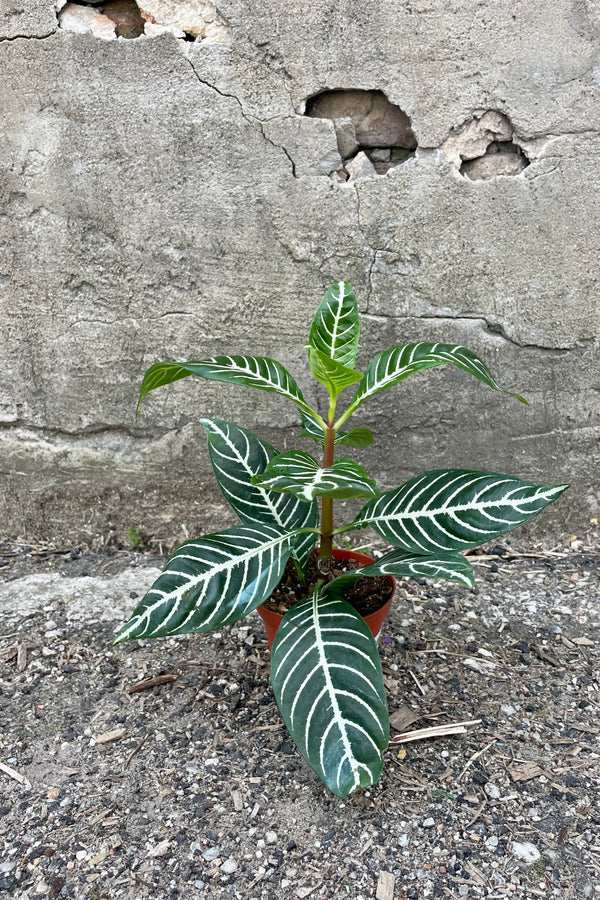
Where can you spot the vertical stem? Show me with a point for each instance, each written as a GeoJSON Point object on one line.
{"type": "Point", "coordinates": [327, 502]}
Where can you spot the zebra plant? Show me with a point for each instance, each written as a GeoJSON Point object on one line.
{"type": "Point", "coordinates": [326, 672]}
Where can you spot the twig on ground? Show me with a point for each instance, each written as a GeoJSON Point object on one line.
{"type": "Point", "coordinates": [421, 734]}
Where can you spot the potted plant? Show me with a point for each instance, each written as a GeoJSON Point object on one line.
{"type": "Point", "coordinates": [325, 668]}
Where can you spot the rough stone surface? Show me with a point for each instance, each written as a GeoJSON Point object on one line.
{"type": "Point", "coordinates": [377, 122]}
{"type": "Point", "coordinates": [345, 133]}
{"type": "Point", "coordinates": [500, 158]}
{"type": "Point", "coordinates": [165, 199]}
{"type": "Point", "coordinates": [81, 19]}
{"type": "Point", "coordinates": [33, 18]}
{"type": "Point", "coordinates": [360, 167]}
{"type": "Point", "coordinates": [197, 18]}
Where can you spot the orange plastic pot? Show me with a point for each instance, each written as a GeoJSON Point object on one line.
{"type": "Point", "coordinates": [374, 620]}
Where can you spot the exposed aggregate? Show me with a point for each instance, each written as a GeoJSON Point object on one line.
{"type": "Point", "coordinates": [193, 789]}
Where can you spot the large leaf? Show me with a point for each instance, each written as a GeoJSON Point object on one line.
{"type": "Point", "coordinates": [327, 680]}
{"type": "Point", "coordinates": [298, 473]}
{"type": "Point", "coordinates": [330, 373]}
{"type": "Point", "coordinates": [394, 365]}
{"type": "Point", "coordinates": [454, 509]}
{"type": "Point", "coordinates": [252, 371]}
{"type": "Point", "coordinates": [335, 328]}
{"type": "Point", "coordinates": [237, 455]}
{"type": "Point", "coordinates": [211, 582]}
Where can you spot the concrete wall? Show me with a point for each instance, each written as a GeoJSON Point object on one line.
{"type": "Point", "coordinates": [165, 198]}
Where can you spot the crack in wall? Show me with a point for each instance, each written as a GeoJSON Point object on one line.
{"type": "Point", "coordinates": [494, 327]}
{"type": "Point", "coordinates": [89, 431]}
{"type": "Point", "coordinates": [28, 37]}
{"type": "Point", "coordinates": [252, 120]}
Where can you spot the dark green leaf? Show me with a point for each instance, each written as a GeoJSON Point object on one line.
{"type": "Point", "coordinates": [237, 455]}
{"type": "Point", "coordinates": [454, 509]}
{"type": "Point", "coordinates": [335, 328]}
{"type": "Point", "coordinates": [327, 680]}
{"type": "Point", "coordinates": [211, 582]}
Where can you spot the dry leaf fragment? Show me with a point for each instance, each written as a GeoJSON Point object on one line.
{"type": "Point", "coordinates": [109, 736]}
{"type": "Point", "coordinates": [526, 772]}
{"type": "Point", "coordinates": [582, 642]}
{"type": "Point", "coordinates": [403, 717]}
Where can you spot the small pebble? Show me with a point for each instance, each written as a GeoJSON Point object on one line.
{"type": "Point", "coordinates": [211, 853]}
{"type": "Point", "coordinates": [429, 822]}
{"type": "Point", "coordinates": [525, 851]}
{"type": "Point", "coordinates": [492, 790]}
{"type": "Point", "coordinates": [228, 866]}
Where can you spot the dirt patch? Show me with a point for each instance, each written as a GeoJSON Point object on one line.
{"type": "Point", "coordinates": [191, 788]}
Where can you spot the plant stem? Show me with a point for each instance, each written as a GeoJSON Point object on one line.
{"type": "Point", "coordinates": [327, 502]}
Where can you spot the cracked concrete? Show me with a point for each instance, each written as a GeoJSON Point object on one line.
{"type": "Point", "coordinates": [167, 198]}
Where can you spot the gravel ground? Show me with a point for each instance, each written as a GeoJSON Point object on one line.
{"type": "Point", "coordinates": [190, 787]}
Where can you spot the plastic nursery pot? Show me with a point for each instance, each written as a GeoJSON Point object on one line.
{"type": "Point", "coordinates": [374, 620]}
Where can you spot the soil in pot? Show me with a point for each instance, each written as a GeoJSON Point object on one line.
{"type": "Point", "coordinates": [366, 595]}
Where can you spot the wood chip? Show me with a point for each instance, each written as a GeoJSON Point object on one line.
{"type": "Point", "coordinates": [582, 642]}
{"type": "Point", "coordinates": [149, 683]}
{"type": "Point", "coordinates": [238, 801]}
{"type": "Point", "coordinates": [403, 717]}
{"type": "Point", "coordinates": [22, 657]}
{"type": "Point", "coordinates": [526, 772]}
{"type": "Point", "coordinates": [16, 776]}
{"type": "Point", "coordinates": [109, 736]}
{"type": "Point", "coordinates": [385, 886]}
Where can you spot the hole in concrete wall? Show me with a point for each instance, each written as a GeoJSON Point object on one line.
{"type": "Point", "coordinates": [373, 135]}
{"type": "Point", "coordinates": [109, 19]}
{"type": "Point", "coordinates": [486, 147]}
{"type": "Point", "coordinates": [500, 158]}
{"type": "Point", "coordinates": [189, 20]}
{"type": "Point", "coordinates": [127, 17]}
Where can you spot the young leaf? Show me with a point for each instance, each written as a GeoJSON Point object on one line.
{"type": "Point", "coordinates": [298, 473]}
{"type": "Point", "coordinates": [394, 365]}
{"type": "Point", "coordinates": [328, 683]}
{"type": "Point", "coordinates": [211, 582]}
{"type": "Point", "coordinates": [333, 375]}
{"type": "Point", "coordinates": [454, 509]}
{"type": "Point", "coordinates": [358, 437]}
{"type": "Point", "coordinates": [252, 371]}
{"type": "Point", "coordinates": [335, 328]}
{"type": "Point", "coordinates": [237, 455]}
